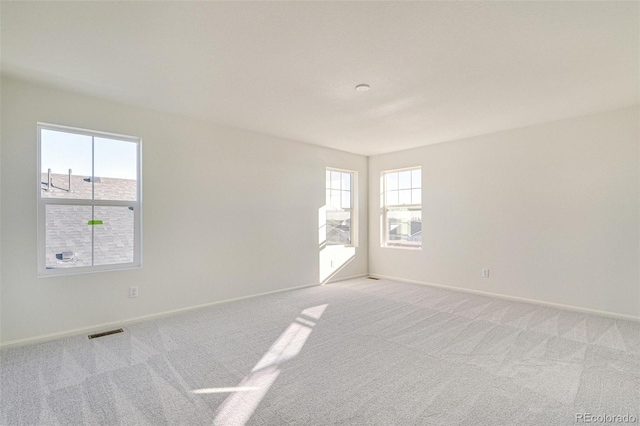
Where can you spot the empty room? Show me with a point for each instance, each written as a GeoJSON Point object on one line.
{"type": "Point", "coordinates": [319, 213]}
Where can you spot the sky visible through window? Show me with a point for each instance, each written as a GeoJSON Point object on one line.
{"type": "Point", "coordinates": [61, 151]}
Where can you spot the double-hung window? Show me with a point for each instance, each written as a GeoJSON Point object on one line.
{"type": "Point", "coordinates": [340, 220]}
{"type": "Point", "coordinates": [401, 203]}
{"type": "Point", "coordinates": [89, 201]}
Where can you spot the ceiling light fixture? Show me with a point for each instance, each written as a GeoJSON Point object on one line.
{"type": "Point", "coordinates": [362, 87]}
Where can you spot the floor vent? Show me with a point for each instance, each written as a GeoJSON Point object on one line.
{"type": "Point", "coordinates": [106, 333]}
{"type": "Point", "coordinates": [371, 278]}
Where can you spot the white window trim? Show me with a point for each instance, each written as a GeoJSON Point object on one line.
{"type": "Point", "coordinates": [384, 229]}
{"type": "Point", "coordinates": [42, 202]}
{"type": "Point", "coordinates": [354, 204]}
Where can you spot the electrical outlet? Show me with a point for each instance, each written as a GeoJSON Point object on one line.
{"type": "Point", "coordinates": [133, 291]}
{"type": "Point", "coordinates": [485, 273]}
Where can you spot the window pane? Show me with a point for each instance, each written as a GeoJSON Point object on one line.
{"type": "Point", "coordinates": [67, 236]}
{"type": "Point", "coordinates": [338, 227]}
{"type": "Point", "coordinates": [335, 199]}
{"type": "Point", "coordinates": [328, 179]}
{"type": "Point", "coordinates": [113, 235]}
{"type": "Point", "coordinates": [404, 196]}
{"type": "Point", "coordinates": [404, 180]}
{"type": "Point", "coordinates": [335, 180]}
{"type": "Point", "coordinates": [392, 181]}
{"type": "Point", "coordinates": [115, 169]}
{"type": "Point", "coordinates": [61, 151]}
{"type": "Point", "coordinates": [346, 181]}
{"type": "Point", "coordinates": [404, 228]}
{"type": "Point", "coordinates": [416, 196]}
{"type": "Point", "coordinates": [327, 200]}
{"type": "Point", "coordinates": [392, 198]}
{"type": "Point", "coordinates": [416, 179]}
{"type": "Point", "coordinates": [346, 199]}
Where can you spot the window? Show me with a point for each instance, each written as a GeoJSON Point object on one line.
{"type": "Point", "coordinates": [340, 207]}
{"type": "Point", "coordinates": [401, 202]}
{"type": "Point", "coordinates": [89, 192]}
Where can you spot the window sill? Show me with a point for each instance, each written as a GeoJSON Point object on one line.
{"type": "Point", "coordinates": [401, 248]}
{"type": "Point", "coordinates": [59, 272]}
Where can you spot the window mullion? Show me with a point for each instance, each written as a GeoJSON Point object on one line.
{"type": "Point", "coordinates": [404, 206]}
{"type": "Point", "coordinates": [66, 201]}
{"type": "Point", "coordinates": [93, 198]}
{"type": "Point", "coordinates": [115, 203]}
{"type": "Point", "coordinates": [93, 170]}
{"type": "Point", "coordinates": [87, 202]}
{"type": "Point", "coordinates": [93, 235]}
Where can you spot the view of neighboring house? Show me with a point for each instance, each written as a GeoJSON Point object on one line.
{"type": "Point", "coordinates": [338, 232]}
{"type": "Point", "coordinates": [402, 233]}
{"type": "Point", "coordinates": [80, 235]}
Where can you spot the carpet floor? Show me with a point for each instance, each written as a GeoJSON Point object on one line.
{"type": "Point", "coordinates": [358, 352]}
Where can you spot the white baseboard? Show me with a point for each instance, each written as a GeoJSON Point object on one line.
{"type": "Point", "coordinates": [352, 277]}
{"type": "Point", "coordinates": [516, 298]}
{"type": "Point", "coordinates": [124, 322]}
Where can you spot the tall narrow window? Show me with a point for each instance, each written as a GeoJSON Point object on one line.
{"type": "Point", "coordinates": [401, 201]}
{"type": "Point", "coordinates": [89, 205]}
{"type": "Point", "coordinates": [340, 226]}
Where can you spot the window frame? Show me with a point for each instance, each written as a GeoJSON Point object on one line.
{"type": "Point", "coordinates": [43, 202]}
{"type": "Point", "coordinates": [353, 237]}
{"type": "Point", "coordinates": [385, 209]}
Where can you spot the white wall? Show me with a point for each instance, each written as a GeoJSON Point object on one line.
{"type": "Point", "coordinates": [227, 213]}
{"type": "Point", "coordinates": [552, 210]}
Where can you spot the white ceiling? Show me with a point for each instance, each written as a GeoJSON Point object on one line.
{"type": "Point", "coordinates": [438, 71]}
